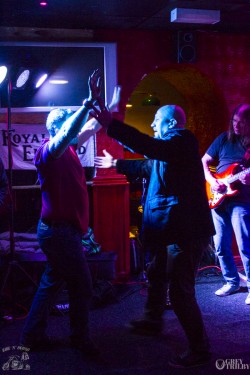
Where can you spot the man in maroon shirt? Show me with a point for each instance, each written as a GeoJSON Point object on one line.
{"type": "Point", "coordinates": [64, 220]}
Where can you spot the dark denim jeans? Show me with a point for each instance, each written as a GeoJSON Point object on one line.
{"type": "Point", "coordinates": [229, 217]}
{"type": "Point", "coordinates": [66, 264]}
{"type": "Point", "coordinates": [177, 266]}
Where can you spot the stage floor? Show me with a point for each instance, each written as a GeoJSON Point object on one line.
{"type": "Point", "coordinates": [227, 320]}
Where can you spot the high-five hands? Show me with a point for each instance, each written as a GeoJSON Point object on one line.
{"type": "Point", "coordinates": [93, 125]}
{"type": "Point", "coordinates": [104, 161]}
{"type": "Point", "coordinates": [103, 114]}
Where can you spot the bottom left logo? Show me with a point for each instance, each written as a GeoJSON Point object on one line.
{"type": "Point", "coordinates": [17, 358]}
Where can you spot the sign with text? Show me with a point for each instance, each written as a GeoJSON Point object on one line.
{"type": "Point", "coordinates": [26, 139]}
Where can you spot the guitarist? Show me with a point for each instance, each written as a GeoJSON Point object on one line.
{"type": "Point", "coordinates": [233, 214]}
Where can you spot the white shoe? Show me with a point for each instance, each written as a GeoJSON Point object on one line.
{"type": "Point", "coordinates": [227, 289]}
{"type": "Point", "coordinates": [247, 301]}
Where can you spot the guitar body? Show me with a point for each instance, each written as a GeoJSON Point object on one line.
{"type": "Point", "coordinates": [215, 198]}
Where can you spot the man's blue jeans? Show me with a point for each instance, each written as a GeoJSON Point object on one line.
{"type": "Point", "coordinates": [66, 263]}
{"type": "Point", "coordinates": [229, 217]}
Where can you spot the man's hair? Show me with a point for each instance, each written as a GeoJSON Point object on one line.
{"type": "Point", "coordinates": [55, 117]}
{"type": "Point", "coordinates": [244, 111]}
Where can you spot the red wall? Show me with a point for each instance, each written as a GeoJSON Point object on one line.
{"type": "Point", "coordinates": [224, 58]}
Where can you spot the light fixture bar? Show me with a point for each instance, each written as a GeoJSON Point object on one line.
{"type": "Point", "coordinates": [201, 16]}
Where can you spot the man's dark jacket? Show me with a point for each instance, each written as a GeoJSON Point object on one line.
{"type": "Point", "coordinates": [176, 208]}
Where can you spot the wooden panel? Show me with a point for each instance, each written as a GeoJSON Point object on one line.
{"type": "Point", "coordinates": [111, 218]}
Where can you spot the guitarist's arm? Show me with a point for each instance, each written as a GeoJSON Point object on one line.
{"type": "Point", "coordinates": [215, 184]}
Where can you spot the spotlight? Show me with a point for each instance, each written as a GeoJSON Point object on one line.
{"type": "Point", "coordinates": [3, 73]}
{"type": "Point", "coordinates": [59, 81]}
{"type": "Point", "coordinates": [41, 78]}
{"type": "Point", "coordinates": [22, 78]}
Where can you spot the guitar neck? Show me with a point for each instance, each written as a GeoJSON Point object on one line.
{"type": "Point", "coordinates": [236, 176]}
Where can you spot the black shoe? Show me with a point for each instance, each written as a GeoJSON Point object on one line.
{"type": "Point", "coordinates": [190, 359]}
{"type": "Point", "coordinates": [147, 326]}
{"type": "Point", "coordinates": [43, 344]}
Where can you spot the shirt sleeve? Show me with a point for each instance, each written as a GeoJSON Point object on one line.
{"type": "Point", "coordinates": [134, 168]}
{"type": "Point", "coordinates": [215, 147]}
{"type": "Point", "coordinates": [171, 147]}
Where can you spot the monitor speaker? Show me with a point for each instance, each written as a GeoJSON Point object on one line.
{"type": "Point", "coordinates": [186, 51]}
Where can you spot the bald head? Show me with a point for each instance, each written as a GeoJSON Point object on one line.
{"type": "Point", "coordinates": [167, 118]}
{"type": "Point", "coordinates": [174, 112]}
{"type": "Point", "coordinates": [56, 118]}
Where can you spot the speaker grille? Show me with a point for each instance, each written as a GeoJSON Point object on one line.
{"type": "Point", "coordinates": [186, 47]}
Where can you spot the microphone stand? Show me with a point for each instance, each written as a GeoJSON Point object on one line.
{"type": "Point", "coordinates": [13, 263]}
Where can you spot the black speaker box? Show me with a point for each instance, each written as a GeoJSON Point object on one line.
{"type": "Point", "coordinates": [186, 48]}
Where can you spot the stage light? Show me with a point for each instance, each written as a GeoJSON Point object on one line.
{"type": "Point", "coordinates": [22, 78]}
{"type": "Point", "coordinates": [29, 78]}
{"type": "Point", "coordinates": [3, 73]}
{"type": "Point", "coordinates": [58, 81]}
{"type": "Point", "coordinates": [40, 80]}
{"type": "Point", "coordinates": [17, 80]}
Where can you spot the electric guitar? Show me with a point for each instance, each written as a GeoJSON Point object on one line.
{"type": "Point", "coordinates": [227, 178]}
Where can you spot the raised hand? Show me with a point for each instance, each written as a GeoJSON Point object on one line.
{"type": "Point", "coordinates": [115, 99]}
{"type": "Point", "coordinates": [95, 83]}
{"type": "Point", "coordinates": [104, 161]}
{"type": "Point", "coordinates": [102, 115]}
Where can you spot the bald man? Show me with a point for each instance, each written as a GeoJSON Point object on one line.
{"type": "Point", "coordinates": [177, 221]}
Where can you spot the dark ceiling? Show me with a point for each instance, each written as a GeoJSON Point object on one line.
{"type": "Point", "coordinates": [120, 14]}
